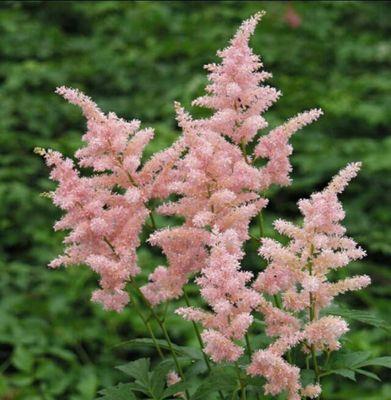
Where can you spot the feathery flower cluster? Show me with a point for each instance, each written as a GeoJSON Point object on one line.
{"type": "Point", "coordinates": [223, 286]}
{"type": "Point", "coordinates": [220, 185]}
{"type": "Point", "coordinates": [217, 188]}
{"type": "Point", "coordinates": [105, 212]}
{"type": "Point", "coordinates": [298, 273]}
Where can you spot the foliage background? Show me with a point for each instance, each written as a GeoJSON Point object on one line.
{"type": "Point", "coordinates": [136, 58]}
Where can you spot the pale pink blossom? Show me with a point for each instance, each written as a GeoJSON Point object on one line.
{"type": "Point", "coordinates": [185, 249]}
{"type": "Point", "coordinates": [104, 225]}
{"type": "Point", "coordinates": [311, 391]}
{"type": "Point", "coordinates": [280, 375]}
{"type": "Point", "coordinates": [223, 286]}
{"type": "Point", "coordinates": [216, 182]}
{"type": "Point", "coordinates": [278, 322]}
{"type": "Point", "coordinates": [325, 332]}
{"type": "Point", "coordinates": [216, 188]}
{"type": "Point", "coordinates": [298, 272]}
{"type": "Point", "coordinates": [219, 347]}
{"type": "Point", "coordinates": [172, 378]}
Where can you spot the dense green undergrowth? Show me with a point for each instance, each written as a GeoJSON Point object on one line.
{"type": "Point", "coordinates": [136, 58]}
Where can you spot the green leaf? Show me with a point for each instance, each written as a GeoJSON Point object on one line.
{"type": "Point", "coordinates": [158, 379]}
{"type": "Point", "coordinates": [223, 379]}
{"type": "Point", "coordinates": [254, 384]}
{"type": "Point", "coordinates": [137, 387]}
{"type": "Point", "coordinates": [173, 389]}
{"type": "Point", "coordinates": [88, 383]}
{"type": "Point", "coordinates": [367, 373]}
{"type": "Point", "coordinates": [22, 359]}
{"type": "Point", "coordinates": [197, 368]}
{"type": "Point", "coordinates": [189, 352]}
{"type": "Point", "coordinates": [259, 322]}
{"type": "Point", "coordinates": [347, 373]}
{"type": "Point", "coordinates": [349, 360]}
{"type": "Point", "coordinates": [119, 392]}
{"type": "Point", "coordinates": [138, 370]}
{"type": "Point", "coordinates": [379, 361]}
{"type": "Point", "coordinates": [307, 377]}
{"type": "Point", "coordinates": [365, 317]}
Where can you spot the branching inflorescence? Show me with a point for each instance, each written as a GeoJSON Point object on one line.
{"type": "Point", "coordinates": [218, 187]}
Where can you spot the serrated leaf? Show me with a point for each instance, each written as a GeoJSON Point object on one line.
{"type": "Point", "coordinates": [137, 387]}
{"type": "Point", "coordinates": [138, 370]}
{"type": "Point", "coordinates": [307, 377]}
{"type": "Point", "coordinates": [119, 392]}
{"type": "Point", "coordinates": [159, 377]}
{"type": "Point", "coordinates": [347, 373]}
{"type": "Point", "coordinates": [367, 373]}
{"type": "Point", "coordinates": [350, 360]}
{"type": "Point", "coordinates": [254, 384]}
{"type": "Point", "coordinates": [365, 317]}
{"type": "Point", "coordinates": [199, 367]}
{"type": "Point", "coordinates": [379, 361]}
{"type": "Point", "coordinates": [217, 380]}
{"type": "Point", "coordinates": [173, 389]}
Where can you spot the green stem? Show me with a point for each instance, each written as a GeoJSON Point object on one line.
{"type": "Point", "coordinates": [312, 318]}
{"type": "Point", "coordinates": [243, 148]}
{"type": "Point", "coordinates": [307, 362]}
{"type": "Point", "coordinates": [315, 361]}
{"type": "Point", "coordinates": [277, 302]}
{"type": "Point", "coordinates": [327, 359]}
{"type": "Point", "coordinates": [254, 237]}
{"type": "Point", "coordinates": [248, 346]}
{"type": "Point", "coordinates": [147, 325]}
{"type": "Point", "coordinates": [153, 222]}
{"type": "Point", "coordinates": [249, 352]}
{"type": "Point", "coordinates": [260, 222]}
{"type": "Point", "coordinates": [242, 386]}
{"type": "Point", "coordinates": [199, 338]}
{"type": "Point", "coordinates": [138, 311]}
{"type": "Point", "coordinates": [164, 331]}
{"type": "Point", "coordinates": [197, 332]}
{"type": "Point", "coordinates": [234, 393]}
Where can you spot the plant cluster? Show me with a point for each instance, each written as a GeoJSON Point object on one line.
{"type": "Point", "coordinates": [215, 178]}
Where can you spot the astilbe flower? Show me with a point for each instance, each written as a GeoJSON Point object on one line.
{"type": "Point", "coordinates": [219, 184]}
{"type": "Point", "coordinates": [223, 286]}
{"type": "Point", "coordinates": [172, 378]}
{"type": "Point", "coordinates": [238, 97]}
{"type": "Point", "coordinates": [298, 273]}
{"type": "Point", "coordinates": [217, 189]}
{"type": "Point", "coordinates": [105, 212]}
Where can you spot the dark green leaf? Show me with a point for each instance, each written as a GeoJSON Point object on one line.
{"type": "Point", "coordinates": [349, 360]}
{"type": "Point", "coordinates": [22, 359]}
{"type": "Point", "coordinates": [138, 370]}
{"type": "Point", "coordinates": [173, 389]}
{"type": "Point", "coordinates": [223, 379]}
{"type": "Point", "coordinates": [197, 368]}
{"type": "Point", "coordinates": [119, 392]}
{"type": "Point", "coordinates": [367, 373]}
{"type": "Point", "coordinates": [365, 317]}
{"type": "Point", "coordinates": [380, 361]}
{"type": "Point", "coordinates": [307, 377]}
{"type": "Point", "coordinates": [347, 373]}
{"type": "Point", "coordinates": [159, 378]}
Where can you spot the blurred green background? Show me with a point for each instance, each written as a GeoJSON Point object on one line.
{"type": "Point", "coordinates": [136, 58]}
